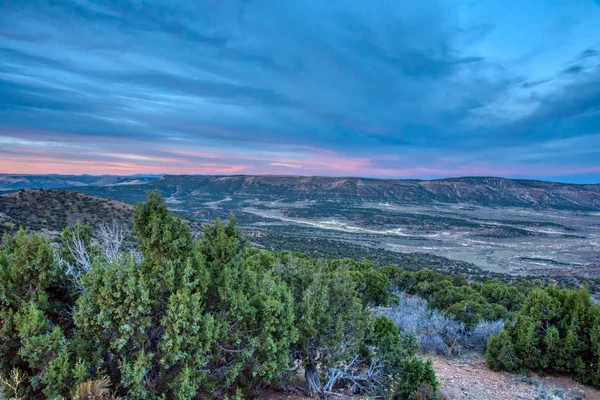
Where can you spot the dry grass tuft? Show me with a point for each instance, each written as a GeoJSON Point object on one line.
{"type": "Point", "coordinates": [94, 390]}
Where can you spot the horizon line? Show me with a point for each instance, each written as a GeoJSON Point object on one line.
{"type": "Point", "coordinates": [160, 175]}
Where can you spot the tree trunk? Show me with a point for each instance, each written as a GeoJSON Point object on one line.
{"type": "Point", "coordinates": [312, 379]}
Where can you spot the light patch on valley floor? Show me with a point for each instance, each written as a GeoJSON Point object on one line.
{"type": "Point", "coordinates": [173, 200]}
{"type": "Point", "coordinates": [333, 224]}
{"type": "Point", "coordinates": [217, 204]}
{"type": "Point", "coordinates": [132, 182]}
{"type": "Point", "coordinates": [278, 204]}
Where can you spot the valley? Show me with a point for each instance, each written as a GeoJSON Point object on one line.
{"type": "Point", "coordinates": [500, 225]}
{"type": "Point", "coordinates": [506, 240]}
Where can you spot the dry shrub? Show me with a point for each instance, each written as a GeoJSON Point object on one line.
{"type": "Point", "coordinates": [436, 331]}
{"type": "Point", "coordinates": [94, 390]}
{"type": "Point", "coordinates": [13, 383]}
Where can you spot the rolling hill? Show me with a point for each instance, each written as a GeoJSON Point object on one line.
{"type": "Point", "coordinates": [450, 238]}
{"type": "Point", "coordinates": [50, 211]}
{"type": "Point", "coordinates": [53, 210]}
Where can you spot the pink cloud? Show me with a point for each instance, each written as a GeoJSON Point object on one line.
{"type": "Point", "coordinates": [51, 152]}
{"type": "Point", "coordinates": [46, 165]}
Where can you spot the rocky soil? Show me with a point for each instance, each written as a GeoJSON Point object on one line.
{"type": "Point", "coordinates": [470, 378]}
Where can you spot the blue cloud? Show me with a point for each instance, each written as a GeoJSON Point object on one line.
{"type": "Point", "coordinates": [401, 84]}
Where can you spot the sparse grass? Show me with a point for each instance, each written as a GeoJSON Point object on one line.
{"type": "Point", "coordinates": [550, 393]}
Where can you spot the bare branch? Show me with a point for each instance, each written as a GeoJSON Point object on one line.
{"type": "Point", "coordinates": [357, 377]}
{"type": "Point", "coordinates": [81, 257]}
{"type": "Point", "coordinates": [136, 256]}
{"type": "Point", "coordinates": [80, 254]}
{"type": "Point", "coordinates": [111, 238]}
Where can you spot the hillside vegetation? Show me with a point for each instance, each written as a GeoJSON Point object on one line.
{"type": "Point", "coordinates": [159, 314]}
{"type": "Point", "coordinates": [56, 209]}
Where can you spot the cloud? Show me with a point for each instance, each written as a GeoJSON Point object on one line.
{"type": "Point", "coordinates": [286, 165]}
{"type": "Point", "coordinates": [386, 88]}
{"type": "Point", "coordinates": [588, 53]}
{"type": "Point", "coordinates": [574, 69]}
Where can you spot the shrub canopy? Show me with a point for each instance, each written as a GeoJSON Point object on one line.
{"type": "Point", "coordinates": [177, 317]}
{"type": "Point", "coordinates": [557, 330]}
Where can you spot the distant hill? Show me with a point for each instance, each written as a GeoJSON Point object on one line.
{"type": "Point", "coordinates": [53, 210]}
{"type": "Point", "coordinates": [16, 182]}
{"type": "Point", "coordinates": [496, 192]}
{"type": "Point", "coordinates": [50, 211]}
{"type": "Point", "coordinates": [485, 191]}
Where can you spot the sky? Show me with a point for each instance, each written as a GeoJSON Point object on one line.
{"type": "Point", "coordinates": [375, 88]}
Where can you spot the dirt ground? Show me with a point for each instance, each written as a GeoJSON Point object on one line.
{"type": "Point", "coordinates": [469, 378]}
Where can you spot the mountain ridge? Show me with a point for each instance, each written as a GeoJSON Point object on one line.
{"type": "Point", "coordinates": [161, 175]}
{"type": "Point", "coordinates": [488, 191]}
{"type": "Point", "coordinates": [485, 191]}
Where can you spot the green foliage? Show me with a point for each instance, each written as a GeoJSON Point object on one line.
{"type": "Point", "coordinates": [373, 286]}
{"type": "Point", "coordinates": [398, 353]}
{"type": "Point", "coordinates": [417, 373]}
{"type": "Point", "coordinates": [190, 318]}
{"type": "Point", "coordinates": [469, 302]}
{"type": "Point", "coordinates": [254, 311]}
{"type": "Point", "coordinates": [460, 280]}
{"type": "Point", "coordinates": [34, 310]}
{"type": "Point", "coordinates": [330, 316]}
{"type": "Point", "coordinates": [500, 353]}
{"type": "Point", "coordinates": [556, 329]}
{"type": "Point", "coordinates": [392, 347]}
{"type": "Point", "coordinates": [508, 296]}
{"type": "Point", "coordinates": [205, 318]}
{"type": "Point", "coordinates": [163, 237]}
{"type": "Point", "coordinates": [146, 321]}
